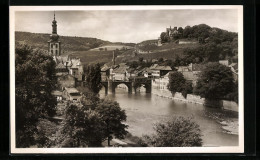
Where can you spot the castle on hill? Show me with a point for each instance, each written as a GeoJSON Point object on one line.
{"type": "Point", "coordinates": [171, 34]}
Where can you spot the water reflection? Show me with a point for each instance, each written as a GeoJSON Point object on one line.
{"type": "Point", "coordinates": [144, 110]}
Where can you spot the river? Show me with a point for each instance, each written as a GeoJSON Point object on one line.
{"type": "Point", "coordinates": [143, 110]}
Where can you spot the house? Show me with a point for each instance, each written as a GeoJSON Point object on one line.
{"type": "Point", "coordinates": [147, 72]}
{"type": "Point", "coordinates": [71, 65]}
{"type": "Point", "coordinates": [161, 83]}
{"type": "Point", "coordinates": [119, 73]}
{"type": "Point", "coordinates": [131, 72]}
{"type": "Point", "coordinates": [75, 68]}
{"type": "Point", "coordinates": [158, 71]}
{"type": "Point", "coordinates": [61, 70]}
{"type": "Point", "coordinates": [71, 94]}
{"type": "Point", "coordinates": [67, 80]}
{"type": "Point", "coordinates": [191, 72]}
{"type": "Point", "coordinates": [57, 94]}
{"type": "Point", "coordinates": [105, 73]}
{"type": "Point", "coordinates": [232, 66]}
{"type": "Point", "coordinates": [234, 69]}
{"type": "Point", "coordinates": [224, 62]}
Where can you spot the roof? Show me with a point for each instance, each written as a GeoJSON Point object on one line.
{"type": "Point", "coordinates": [74, 63]}
{"type": "Point", "coordinates": [60, 59]}
{"type": "Point", "coordinates": [56, 93]}
{"type": "Point", "coordinates": [60, 66]}
{"type": "Point", "coordinates": [157, 67]}
{"type": "Point", "coordinates": [234, 65]}
{"type": "Point", "coordinates": [105, 68]}
{"type": "Point", "coordinates": [183, 68]}
{"type": "Point", "coordinates": [71, 90]}
{"type": "Point", "coordinates": [120, 69]}
{"type": "Point", "coordinates": [130, 70]}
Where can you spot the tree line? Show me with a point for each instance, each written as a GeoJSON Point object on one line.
{"type": "Point", "coordinates": [215, 82]}
{"type": "Point", "coordinates": [88, 123]}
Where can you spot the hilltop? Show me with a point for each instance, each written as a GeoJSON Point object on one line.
{"type": "Point", "coordinates": [197, 44]}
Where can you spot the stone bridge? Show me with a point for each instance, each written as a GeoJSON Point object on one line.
{"type": "Point", "coordinates": [132, 84]}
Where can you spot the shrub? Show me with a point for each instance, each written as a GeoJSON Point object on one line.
{"type": "Point", "coordinates": [177, 132]}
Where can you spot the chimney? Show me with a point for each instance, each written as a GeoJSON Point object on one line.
{"type": "Point", "coordinates": [114, 62]}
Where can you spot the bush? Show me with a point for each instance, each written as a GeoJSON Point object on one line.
{"type": "Point", "coordinates": [177, 132]}
{"type": "Point", "coordinates": [177, 83]}
{"type": "Point", "coordinates": [215, 82]}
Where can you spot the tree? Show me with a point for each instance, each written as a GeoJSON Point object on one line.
{"type": "Point", "coordinates": [186, 89]}
{"type": "Point", "coordinates": [180, 30]}
{"type": "Point", "coordinates": [215, 81]}
{"type": "Point", "coordinates": [187, 32]}
{"type": "Point", "coordinates": [93, 77]}
{"type": "Point", "coordinates": [35, 80]}
{"type": "Point", "coordinates": [164, 37]}
{"type": "Point", "coordinates": [177, 132]}
{"type": "Point", "coordinates": [113, 116]}
{"type": "Point", "coordinates": [176, 82]}
{"type": "Point", "coordinates": [141, 59]}
{"type": "Point", "coordinates": [83, 127]}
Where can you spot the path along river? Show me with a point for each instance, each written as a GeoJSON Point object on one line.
{"type": "Point", "coordinates": [145, 109]}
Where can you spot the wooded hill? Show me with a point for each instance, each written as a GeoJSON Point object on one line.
{"type": "Point", "coordinates": [69, 44]}
{"type": "Point", "coordinates": [211, 45]}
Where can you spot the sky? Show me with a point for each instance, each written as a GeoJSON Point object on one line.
{"type": "Point", "coordinates": [123, 25]}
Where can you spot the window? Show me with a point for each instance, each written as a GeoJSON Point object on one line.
{"type": "Point", "coordinates": [56, 52]}
{"type": "Point", "coordinates": [51, 51]}
{"type": "Point", "coordinates": [51, 45]}
{"type": "Point", "coordinates": [56, 45]}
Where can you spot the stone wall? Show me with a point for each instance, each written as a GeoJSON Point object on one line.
{"type": "Point", "coordinates": [195, 99]}
{"type": "Point", "coordinates": [228, 105]}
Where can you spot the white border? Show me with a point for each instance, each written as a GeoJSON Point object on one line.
{"type": "Point", "coordinates": [233, 149]}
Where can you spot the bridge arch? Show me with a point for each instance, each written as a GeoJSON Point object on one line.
{"type": "Point", "coordinates": [147, 85]}
{"type": "Point", "coordinates": [116, 83]}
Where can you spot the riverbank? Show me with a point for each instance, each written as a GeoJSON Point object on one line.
{"type": "Point", "coordinates": [190, 98]}
{"type": "Point", "coordinates": [227, 116]}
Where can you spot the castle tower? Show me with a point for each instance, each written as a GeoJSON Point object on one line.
{"type": "Point", "coordinates": [54, 43]}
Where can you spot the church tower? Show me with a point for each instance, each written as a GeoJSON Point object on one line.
{"type": "Point", "coordinates": [54, 43]}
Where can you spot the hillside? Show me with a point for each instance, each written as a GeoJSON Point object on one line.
{"type": "Point", "coordinates": [89, 57]}
{"type": "Point", "coordinates": [197, 44]}
{"type": "Point", "coordinates": [169, 51]}
{"type": "Point", "coordinates": [69, 44]}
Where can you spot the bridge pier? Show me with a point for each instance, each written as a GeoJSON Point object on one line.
{"type": "Point", "coordinates": [110, 87]}
{"type": "Point", "coordinates": [148, 89]}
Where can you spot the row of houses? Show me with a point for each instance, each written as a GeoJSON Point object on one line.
{"type": "Point", "coordinates": [69, 72]}
{"type": "Point", "coordinates": [157, 73]}
{"type": "Point", "coordinates": [123, 72]}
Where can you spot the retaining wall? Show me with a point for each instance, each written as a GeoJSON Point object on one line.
{"type": "Point", "coordinates": [228, 105]}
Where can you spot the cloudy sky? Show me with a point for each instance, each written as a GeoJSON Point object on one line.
{"type": "Point", "coordinates": [125, 25]}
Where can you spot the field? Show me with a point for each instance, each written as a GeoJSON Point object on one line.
{"type": "Point", "coordinates": [167, 51]}
{"type": "Point", "coordinates": [91, 57]}
{"type": "Point", "coordinates": [111, 47]}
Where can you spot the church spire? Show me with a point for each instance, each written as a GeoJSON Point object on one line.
{"type": "Point", "coordinates": [54, 25]}
{"type": "Point", "coordinates": [54, 43]}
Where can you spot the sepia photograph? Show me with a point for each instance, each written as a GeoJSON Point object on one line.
{"type": "Point", "coordinates": [126, 79]}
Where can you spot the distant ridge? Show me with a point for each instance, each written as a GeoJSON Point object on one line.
{"type": "Point", "coordinates": [69, 43]}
